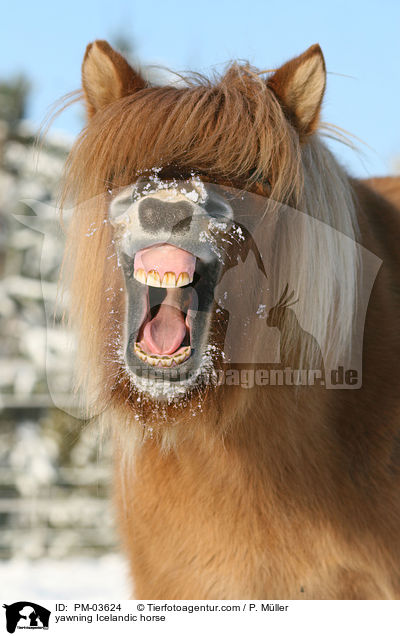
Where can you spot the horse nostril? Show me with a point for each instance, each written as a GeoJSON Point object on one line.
{"type": "Point", "coordinates": [155, 215]}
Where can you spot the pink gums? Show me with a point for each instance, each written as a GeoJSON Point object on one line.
{"type": "Point", "coordinates": [165, 258]}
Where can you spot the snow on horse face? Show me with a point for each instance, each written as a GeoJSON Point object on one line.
{"type": "Point", "coordinates": [197, 207]}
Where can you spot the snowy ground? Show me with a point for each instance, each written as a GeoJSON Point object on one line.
{"type": "Point", "coordinates": [79, 578]}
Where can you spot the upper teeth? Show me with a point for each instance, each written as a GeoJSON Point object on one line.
{"type": "Point", "coordinates": [152, 278]}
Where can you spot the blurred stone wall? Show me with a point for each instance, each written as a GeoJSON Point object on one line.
{"type": "Point", "coordinates": [54, 485]}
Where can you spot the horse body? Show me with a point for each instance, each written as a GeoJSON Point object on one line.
{"type": "Point", "coordinates": [388, 187]}
{"type": "Point", "coordinates": [281, 493]}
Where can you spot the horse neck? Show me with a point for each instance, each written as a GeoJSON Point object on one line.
{"type": "Point", "coordinates": [262, 432]}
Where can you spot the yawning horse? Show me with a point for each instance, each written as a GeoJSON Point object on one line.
{"type": "Point", "coordinates": [197, 206]}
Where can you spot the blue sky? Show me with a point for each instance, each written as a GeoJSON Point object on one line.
{"type": "Point", "coordinates": [360, 40]}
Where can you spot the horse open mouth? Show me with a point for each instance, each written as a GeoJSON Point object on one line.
{"type": "Point", "coordinates": [164, 338]}
{"type": "Point", "coordinates": [172, 292]}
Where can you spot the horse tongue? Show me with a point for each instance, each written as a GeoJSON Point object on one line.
{"type": "Point", "coordinates": [164, 334]}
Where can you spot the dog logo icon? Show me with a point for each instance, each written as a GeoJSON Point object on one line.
{"type": "Point", "coordinates": [26, 615]}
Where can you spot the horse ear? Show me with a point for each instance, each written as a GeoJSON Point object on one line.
{"type": "Point", "coordinates": [106, 76]}
{"type": "Point", "coordinates": [299, 85]}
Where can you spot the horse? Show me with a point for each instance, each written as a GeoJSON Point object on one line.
{"type": "Point", "coordinates": [223, 491]}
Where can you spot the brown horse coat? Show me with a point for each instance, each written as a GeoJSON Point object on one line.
{"type": "Point", "coordinates": [265, 493]}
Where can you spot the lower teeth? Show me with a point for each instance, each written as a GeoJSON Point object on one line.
{"type": "Point", "coordinates": [162, 361]}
